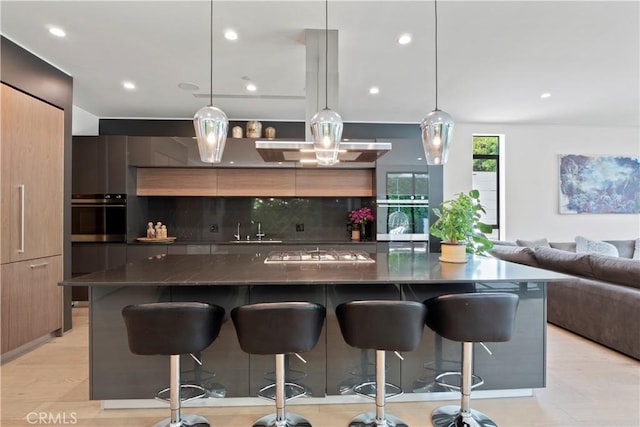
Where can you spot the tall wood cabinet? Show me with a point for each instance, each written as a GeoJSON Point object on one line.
{"type": "Point", "coordinates": [31, 155]}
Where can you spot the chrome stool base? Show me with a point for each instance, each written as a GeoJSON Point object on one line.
{"type": "Point", "coordinates": [291, 420]}
{"type": "Point", "coordinates": [368, 419]}
{"type": "Point", "coordinates": [185, 421]}
{"type": "Point", "coordinates": [452, 416]}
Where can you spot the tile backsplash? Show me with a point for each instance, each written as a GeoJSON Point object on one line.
{"type": "Point", "coordinates": [191, 218]}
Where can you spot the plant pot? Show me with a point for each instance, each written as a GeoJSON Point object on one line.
{"type": "Point", "coordinates": [453, 252]}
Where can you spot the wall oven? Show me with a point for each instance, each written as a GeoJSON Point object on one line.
{"type": "Point", "coordinates": [99, 218]}
{"type": "Point", "coordinates": [402, 220]}
{"type": "Point", "coordinates": [402, 205]}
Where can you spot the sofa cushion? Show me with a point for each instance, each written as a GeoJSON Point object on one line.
{"type": "Point", "coordinates": [517, 254]}
{"type": "Point", "coordinates": [563, 261]}
{"type": "Point", "coordinates": [616, 270]}
{"type": "Point", "coordinates": [589, 246]}
{"type": "Point", "coordinates": [533, 243]}
{"type": "Point", "coordinates": [565, 246]}
{"type": "Point", "coordinates": [636, 249]}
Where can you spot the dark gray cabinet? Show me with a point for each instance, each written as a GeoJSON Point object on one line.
{"type": "Point", "coordinates": [99, 164]}
{"type": "Point", "coordinates": [89, 257]}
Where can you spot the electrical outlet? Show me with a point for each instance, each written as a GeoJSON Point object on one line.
{"type": "Point", "coordinates": [213, 228]}
{"type": "Point", "coordinates": [299, 227]}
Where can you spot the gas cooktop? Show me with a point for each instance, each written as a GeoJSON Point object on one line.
{"type": "Point", "coordinates": [317, 256]}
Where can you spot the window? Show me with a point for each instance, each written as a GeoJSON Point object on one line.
{"type": "Point", "coordinates": [486, 178]}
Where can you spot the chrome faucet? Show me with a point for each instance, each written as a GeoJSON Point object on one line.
{"type": "Point", "coordinates": [259, 234]}
{"type": "Point", "coordinates": [237, 235]}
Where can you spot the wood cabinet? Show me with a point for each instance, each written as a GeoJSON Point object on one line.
{"type": "Point", "coordinates": [255, 182]}
{"type": "Point", "coordinates": [334, 182]}
{"type": "Point", "coordinates": [31, 241]}
{"type": "Point", "coordinates": [32, 170]}
{"type": "Point", "coordinates": [177, 182]}
{"type": "Point", "coordinates": [31, 300]}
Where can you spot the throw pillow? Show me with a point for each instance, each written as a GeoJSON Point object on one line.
{"type": "Point", "coordinates": [636, 250]}
{"type": "Point", "coordinates": [588, 246]}
{"type": "Point", "coordinates": [534, 243]}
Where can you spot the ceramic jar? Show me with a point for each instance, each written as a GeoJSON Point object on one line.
{"type": "Point", "coordinates": [254, 129]}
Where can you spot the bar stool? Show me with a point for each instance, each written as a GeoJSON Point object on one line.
{"type": "Point", "coordinates": [278, 328]}
{"type": "Point", "coordinates": [381, 325]}
{"type": "Point", "coordinates": [172, 329]}
{"type": "Point", "coordinates": [469, 318]}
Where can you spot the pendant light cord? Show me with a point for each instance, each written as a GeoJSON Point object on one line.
{"type": "Point", "coordinates": [326, 54]}
{"type": "Point", "coordinates": [211, 58]}
{"type": "Point", "coordinates": [435, 7]}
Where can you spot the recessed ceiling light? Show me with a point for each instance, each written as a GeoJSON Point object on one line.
{"type": "Point", "coordinates": [57, 31]}
{"type": "Point", "coordinates": [251, 87]}
{"type": "Point", "coordinates": [404, 39]}
{"type": "Point", "coordinates": [230, 35]}
{"type": "Point", "coordinates": [374, 90]}
{"type": "Point", "coordinates": [419, 158]}
{"type": "Point", "coordinates": [128, 85]}
{"type": "Point", "coordinates": [545, 95]}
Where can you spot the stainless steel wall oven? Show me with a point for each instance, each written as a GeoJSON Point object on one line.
{"type": "Point", "coordinates": [99, 218]}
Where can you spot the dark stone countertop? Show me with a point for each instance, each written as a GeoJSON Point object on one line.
{"type": "Point", "coordinates": [257, 242]}
{"type": "Point", "coordinates": [248, 269]}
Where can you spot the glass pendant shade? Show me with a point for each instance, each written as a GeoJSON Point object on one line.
{"type": "Point", "coordinates": [437, 132]}
{"type": "Point", "coordinates": [326, 129]}
{"type": "Point", "coordinates": [211, 126]}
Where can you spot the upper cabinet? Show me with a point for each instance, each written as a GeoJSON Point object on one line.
{"type": "Point", "coordinates": [327, 182]}
{"type": "Point", "coordinates": [254, 182]}
{"type": "Point", "coordinates": [177, 182]}
{"type": "Point", "coordinates": [32, 177]}
{"type": "Point", "coordinates": [99, 164]}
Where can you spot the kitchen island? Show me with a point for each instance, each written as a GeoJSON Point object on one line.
{"type": "Point", "coordinates": [408, 273]}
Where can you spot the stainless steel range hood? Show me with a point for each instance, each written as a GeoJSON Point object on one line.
{"type": "Point", "coordinates": [317, 96]}
{"type": "Point", "coordinates": [302, 151]}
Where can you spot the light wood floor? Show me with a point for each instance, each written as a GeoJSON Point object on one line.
{"type": "Point", "coordinates": [587, 385]}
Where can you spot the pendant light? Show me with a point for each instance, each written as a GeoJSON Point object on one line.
{"type": "Point", "coordinates": [211, 123]}
{"type": "Point", "coordinates": [326, 125]}
{"type": "Point", "coordinates": [437, 126]}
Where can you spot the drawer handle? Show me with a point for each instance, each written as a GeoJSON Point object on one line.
{"type": "Point", "coordinates": [21, 188]}
{"type": "Point", "coordinates": [42, 264]}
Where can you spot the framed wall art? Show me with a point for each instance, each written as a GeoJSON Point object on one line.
{"type": "Point", "coordinates": [599, 184]}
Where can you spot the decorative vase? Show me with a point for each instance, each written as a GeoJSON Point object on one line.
{"type": "Point", "coordinates": [363, 232]}
{"type": "Point", "coordinates": [453, 252]}
{"type": "Point", "coordinates": [355, 234]}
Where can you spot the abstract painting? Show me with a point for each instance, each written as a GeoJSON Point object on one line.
{"type": "Point", "coordinates": [599, 184]}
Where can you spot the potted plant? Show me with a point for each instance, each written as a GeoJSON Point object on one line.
{"type": "Point", "coordinates": [460, 228]}
{"type": "Point", "coordinates": [359, 219]}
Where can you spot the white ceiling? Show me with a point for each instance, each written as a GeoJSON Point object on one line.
{"type": "Point", "coordinates": [495, 58]}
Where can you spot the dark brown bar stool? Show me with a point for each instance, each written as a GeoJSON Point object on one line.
{"type": "Point", "coordinates": [469, 318]}
{"type": "Point", "coordinates": [172, 329]}
{"type": "Point", "coordinates": [278, 328]}
{"type": "Point", "coordinates": [382, 326]}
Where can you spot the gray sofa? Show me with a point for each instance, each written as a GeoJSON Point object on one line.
{"type": "Point", "coordinates": [601, 302]}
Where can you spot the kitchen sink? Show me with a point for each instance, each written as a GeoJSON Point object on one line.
{"type": "Point", "coordinates": [317, 256]}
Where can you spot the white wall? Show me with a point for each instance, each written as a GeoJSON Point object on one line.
{"type": "Point", "coordinates": [83, 123]}
{"type": "Point", "coordinates": [532, 157]}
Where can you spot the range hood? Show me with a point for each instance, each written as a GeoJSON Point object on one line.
{"type": "Point", "coordinates": [302, 151]}
{"type": "Point", "coordinates": [321, 90]}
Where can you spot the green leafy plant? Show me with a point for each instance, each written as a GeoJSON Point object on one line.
{"type": "Point", "coordinates": [459, 222]}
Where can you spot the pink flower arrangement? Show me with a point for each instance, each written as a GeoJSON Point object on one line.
{"type": "Point", "coordinates": [361, 216]}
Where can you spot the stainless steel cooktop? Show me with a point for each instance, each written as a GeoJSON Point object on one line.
{"type": "Point", "coordinates": [317, 256]}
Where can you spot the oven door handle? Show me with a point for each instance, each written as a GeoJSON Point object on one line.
{"type": "Point", "coordinates": [98, 205]}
